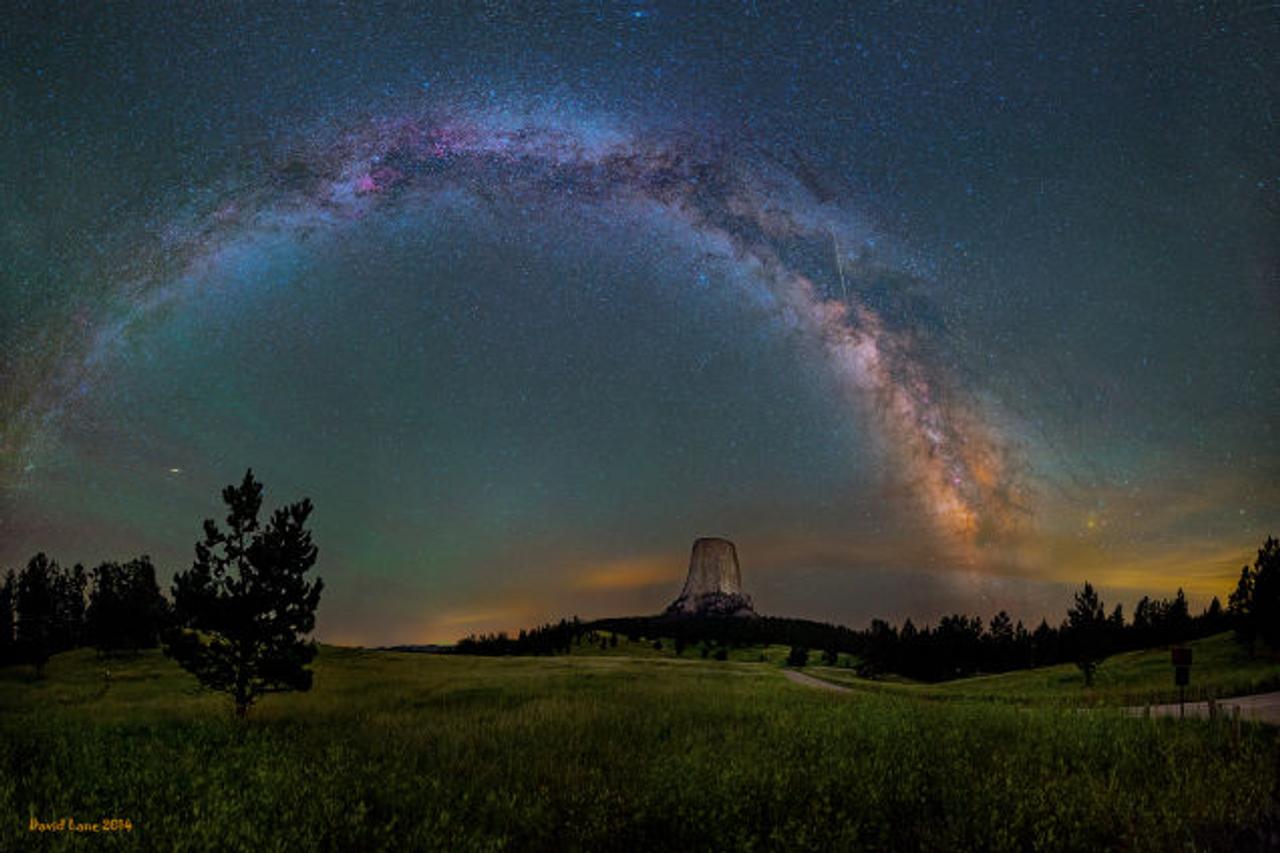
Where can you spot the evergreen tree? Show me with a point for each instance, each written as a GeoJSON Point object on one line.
{"type": "Point", "coordinates": [1086, 629]}
{"type": "Point", "coordinates": [1265, 606]}
{"type": "Point", "coordinates": [245, 604]}
{"type": "Point", "coordinates": [999, 642]}
{"type": "Point", "coordinates": [1240, 609]}
{"type": "Point", "coordinates": [1044, 644]}
{"type": "Point", "coordinates": [8, 595]}
{"type": "Point", "coordinates": [1212, 616]}
{"type": "Point", "coordinates": [1115, 627]}
{"type": "Point", "coordinates": [1143, 625]}
{"type": "Point", "coordinates": [36, 609]}
{"type": "Point", "coordinates": [1022, 647]}
{"type": "Point", "coordinates": [126, 610]}
{"type": "Point", "coordinates": [1178, 618]}
{"type": "Point", "coordinates": [69, 607]}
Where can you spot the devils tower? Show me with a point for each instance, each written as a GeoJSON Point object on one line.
{"type": "Point", "coordinates": [714, 584]}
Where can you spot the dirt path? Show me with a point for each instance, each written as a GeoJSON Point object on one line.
{"type": "Point", "coordinates": [809, 681]}
{"type": "Point", "coordinates": [1261, 707]}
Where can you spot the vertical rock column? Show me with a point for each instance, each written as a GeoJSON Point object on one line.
{"type": "Point", "coordinates": [714, 583]}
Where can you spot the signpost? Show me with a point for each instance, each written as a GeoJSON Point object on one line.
{"type": "Point", "coordinates": [1182, 676]}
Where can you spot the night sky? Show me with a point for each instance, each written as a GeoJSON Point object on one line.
{"type": "Point", "coordinates": [933, 307]}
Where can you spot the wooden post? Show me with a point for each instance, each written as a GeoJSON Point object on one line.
{"type": "Point", "coordinates": [1182, 676]}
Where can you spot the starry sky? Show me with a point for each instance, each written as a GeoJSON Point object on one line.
{"type": "Point", "coordinates": [929, 307]}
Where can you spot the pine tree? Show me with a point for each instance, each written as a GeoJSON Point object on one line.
{"type": "Point", "coordinates": [36, 608]}
{"type": "Point", "coordinates": [1265, 606]}
{"type": "Point", "coordinates": [999, 640]}
{"type": "Point", "coordinates": [69, 607]}
{"type": "Point", "coordinates": [8, 594]}
{"type": "Point", "coordinates": [1178, 618]}
{"type": "Point", "coordinates": [1115, 627]}
{"type": "Point", "coordinates": [1087, 631]}
{"type": "Point", "coordinates": [126, 610]}
{"type": "Point", "coordinates": [1211, 618]}
{"type": "Point", "coordinates": [245, 605]}
{"type": "Point", "coordinates": [1240, 610]}
{"type": "Point", "coordinates": [1044, 645]}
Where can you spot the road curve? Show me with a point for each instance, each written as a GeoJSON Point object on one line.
{"type": "Point", "coordinates": [1260, 707]}
{"type": "Point", "coordinates": [809, 681]}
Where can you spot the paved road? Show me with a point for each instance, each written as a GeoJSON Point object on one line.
{"type": "Point", "coordinates": [1261, 707]}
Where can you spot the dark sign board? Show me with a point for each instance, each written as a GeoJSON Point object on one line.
{"type": "Point", "coordinates": [1182, 675]}
{"type": "Point", "coordinates": [1182, 657]}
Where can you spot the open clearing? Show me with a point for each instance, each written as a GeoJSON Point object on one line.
{"type": "Point", "coordinates": [394, 751]}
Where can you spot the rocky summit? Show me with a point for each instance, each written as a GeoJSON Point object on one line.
{"type": "Point", "coordinates": [714, 584]}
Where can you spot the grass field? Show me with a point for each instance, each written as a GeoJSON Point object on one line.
{"type": "Point", "coordinates": [1221, 668]}
{"type": "Point", "coordinates": [648, 648]}
{"type": "Point", "coordinates": [601, 752]}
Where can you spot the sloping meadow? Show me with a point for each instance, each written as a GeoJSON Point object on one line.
{"type": "Point", "coordinates": [403, 751]}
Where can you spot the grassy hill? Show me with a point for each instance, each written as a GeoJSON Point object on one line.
{"type": "Point", "coordinates": [602, 751]}
{"type": "Point", "coordinates": [1222, 667]}
{"type": "Point", "coordinates": [665, 648]}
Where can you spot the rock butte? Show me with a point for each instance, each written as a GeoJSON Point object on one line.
{"type": "Point", "coordinates": [714, 584]}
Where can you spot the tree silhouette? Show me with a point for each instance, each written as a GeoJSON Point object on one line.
{"type": "Point", "coordinates": [999, 641]}
{"type": "Point", "coordinates": [1178, 618]}
{"type": "Point", "coordinates": [126, 610]}
{"type": "Point", "coordinates": [798, 656]}
{"type": "Point", "coordinates": [1087, 630]}
{"type": "Point", "coordinates": [1240, 609]}
{"type": "Point", "coordinates": [1212, 618]}
{"type": "Point", "coordinates": [8, 592]}
{"type": "Point", "coordinates": [36, 609]}
{"type": "Point", "coordinates": [1265, 609]}
{"type": "Point", "coordinates": [68, 606]}
{"type": "Point", "coordinates": [245, 604]}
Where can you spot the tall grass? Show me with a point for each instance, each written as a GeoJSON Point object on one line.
{"type": "Point", "coordinates": [407, 752]}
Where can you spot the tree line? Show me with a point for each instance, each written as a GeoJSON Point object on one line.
{"type": "Point", "coordinates": [1254, 605]}
{"type": "Point", "coordinates": [711, 633]}
{"type": "Point", "coordinates": [46, 608]}
{"type": "Point", "coordinates": [958, 646]}
{"type": "Point", "coordinates": [237, 620]}
{"type": "Point", "coordinates": [556, 638]}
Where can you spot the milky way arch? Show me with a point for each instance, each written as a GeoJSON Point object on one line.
{"type": "Point", "coordinates": [944, 447]}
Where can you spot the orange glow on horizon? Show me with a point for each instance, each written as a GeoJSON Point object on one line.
{"type": "Point", "coordinates": [631, 573]}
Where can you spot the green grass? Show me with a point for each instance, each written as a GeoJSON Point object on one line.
{"type": "Point", "coordinates": [645, 648]}
{"type": "Point", "coordinates": [600, 752]}
{"type": "Point", "coordinates": [1222, 667]}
